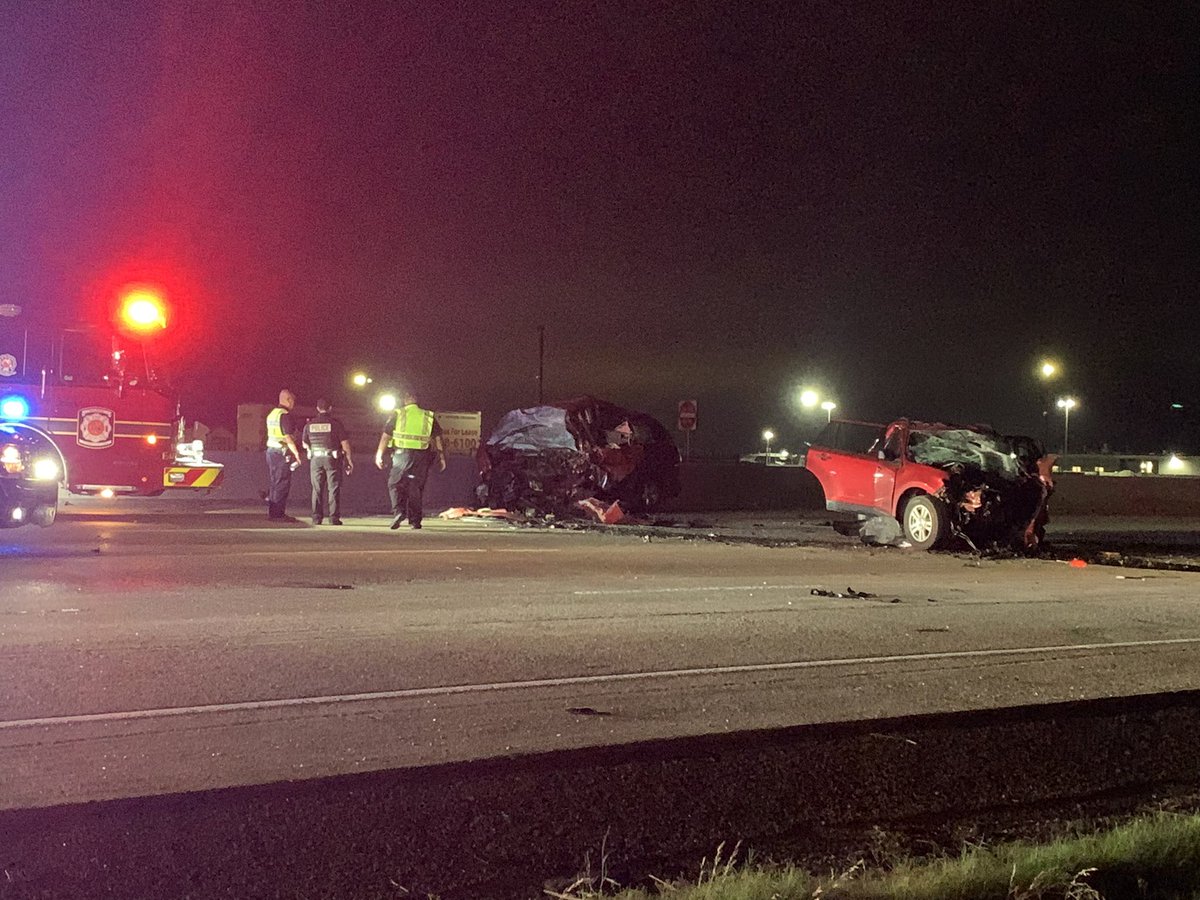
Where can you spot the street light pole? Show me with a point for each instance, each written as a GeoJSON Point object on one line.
{"type": "Point", "coordinates": [541, 363]}
{"type": "Point", "coordinates": [1048, 371]}
{"type": "Point", "coordinates": [1066, 404]}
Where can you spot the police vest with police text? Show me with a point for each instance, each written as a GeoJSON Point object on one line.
{"type": "Point", "coordinates": [413, 429]}
{"type": "Point", "coordinates": [320, 433]}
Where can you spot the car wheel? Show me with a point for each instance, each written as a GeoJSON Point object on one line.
{"type": "Point", "coordinates": [924, 521]}
{"type": "Point", "coordinates": [650, 496]}
{"type": "Point", "coordinates": [43, 516]}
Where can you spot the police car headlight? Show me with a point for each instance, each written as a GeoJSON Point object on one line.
{"type": "Point", "coordinates": [45, 470]}
{"type": "Point", "coordinates": [10, 459]}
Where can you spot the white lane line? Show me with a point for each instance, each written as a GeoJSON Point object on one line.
{"type": "Point", "coordinates": [312, 551]}
{"type": "Point", "coordinates": [456, 689]}
{"type": "Point", "coordinates": [691, 590]}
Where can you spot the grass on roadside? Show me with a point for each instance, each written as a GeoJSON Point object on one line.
{"type": "Point", "coordinates": [1156, 856]}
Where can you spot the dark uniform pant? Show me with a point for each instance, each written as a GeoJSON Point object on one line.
{"type": "Point", "coordinates": [326, 473]}
{"type": "Point", "coordinates": [406, 482]}
{"type": "Point", "coordinates": [280, 472]}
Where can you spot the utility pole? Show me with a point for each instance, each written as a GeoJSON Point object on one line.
{"type": "Point", "coordinates": [541, 363]}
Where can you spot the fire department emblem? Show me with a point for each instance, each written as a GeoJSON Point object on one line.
{"type": "Point", "coordinates": [96, 427]}
{"type": "Point", "coordinates": [8, 365]}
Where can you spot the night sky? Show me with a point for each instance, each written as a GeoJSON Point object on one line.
{"type": "Point", "coordinates": [904, 206]}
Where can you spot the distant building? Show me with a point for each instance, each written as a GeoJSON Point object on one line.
{"type": "Point", "coordinates": [220, 439]}
{"type": "Point", "coordinates": [1128, 464]}
{"type": "Point", "coordinates": [774, 458]}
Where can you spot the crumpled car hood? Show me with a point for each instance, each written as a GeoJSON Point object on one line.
{"type": "Point", "coordinates": [963, 446]}
{"type": "Point", "coordinates": [998, 485]}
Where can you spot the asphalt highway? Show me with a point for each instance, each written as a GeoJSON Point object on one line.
{"type": "Point", "coordinates": [153, 653]}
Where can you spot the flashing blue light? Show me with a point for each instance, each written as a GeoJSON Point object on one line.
{"type": "Point", "coordinates": [14, 407]}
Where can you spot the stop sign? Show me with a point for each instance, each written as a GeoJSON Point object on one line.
{"type": "Point", "coordinates": [687, 415]}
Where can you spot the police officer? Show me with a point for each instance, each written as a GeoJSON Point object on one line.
{"type": "Point", "coordinates": [416, 440]}
{"type": "Point", "coordinates": [328, 446]}
{"type": "Point", "coordinates": [281, 431]}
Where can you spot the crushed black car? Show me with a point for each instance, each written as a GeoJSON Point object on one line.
{"type": "Point", "coordinates": [547, 460]}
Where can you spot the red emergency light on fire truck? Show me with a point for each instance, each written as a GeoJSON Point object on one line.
{"type": "Point", "coordinates": [96, 404]}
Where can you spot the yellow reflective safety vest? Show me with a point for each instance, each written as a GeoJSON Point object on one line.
{"type": "Point", "coordinates": [274, 428]}
{"type": "Point", "coordinates": [413, 429]}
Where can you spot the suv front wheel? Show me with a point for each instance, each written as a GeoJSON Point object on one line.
{"type": "Point", "coordinates": [924, 520]}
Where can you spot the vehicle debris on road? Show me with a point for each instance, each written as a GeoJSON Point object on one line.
{"type": "Point", "coordinates": [882, 530]}
{"type": "Point", "coordinates": [850, 594]}
{"type": "Point", "coordinates": [466, 512]}
{"type": "Point", "coordinates": [578, 459]}
{"type": "Point", "coordinates": [605, 513]}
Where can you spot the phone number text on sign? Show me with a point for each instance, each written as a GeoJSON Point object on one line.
{"type": "Point", "coordinates": [460, 431]}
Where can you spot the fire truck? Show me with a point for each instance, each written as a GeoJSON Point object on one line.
{"type": "Point", "coordinates": [84, 407]}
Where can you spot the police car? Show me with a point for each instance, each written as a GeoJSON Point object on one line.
{"type": "Point", "coordinates": [29, 477]}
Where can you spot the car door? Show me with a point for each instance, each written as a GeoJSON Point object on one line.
{"type": "Point", "coordinates": [887, 466]}
{"type": "Point", "coordinates": [844, 459]}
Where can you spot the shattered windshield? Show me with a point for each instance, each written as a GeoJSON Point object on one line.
{"type": "Point", "coordinates": [962, 446]}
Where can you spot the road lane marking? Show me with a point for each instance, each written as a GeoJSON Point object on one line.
{"type": "Point", "coordinates": [688, 590]}
{"type": "Point", "coordinates": [307, 551]}
{"type": "Point", "coordinates": [570, 681]}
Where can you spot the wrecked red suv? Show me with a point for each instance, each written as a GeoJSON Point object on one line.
{"type": "Point", "coordinates": [940, 482]}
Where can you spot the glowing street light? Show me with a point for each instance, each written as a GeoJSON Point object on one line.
{"type": "Point", "coordinates": [1048, 369]}
{"type": "Point", "coordinates": [809, 399]}
{"type": "Point", "coordinates": [829, 406]}
{"type": "Point", "coordinates": [768, 436]}
{"type": "Point", "coordinates": [386, 402]}
{"type": "Point", "coordinates": [1066, 404]}
{"type": "Point", "coordinates": [360, 379]}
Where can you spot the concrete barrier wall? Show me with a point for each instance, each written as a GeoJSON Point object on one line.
{"type": "Point", "coordinates": [715, 485]}
{"type": "Point", "coordinates": [1135, 495]}
{"type": "Point", "coordinates": [710, 486]}
{"type": "Point", "coordinates": [707, 486]}
{"type": "Point", "coordinates": [363, 493]}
